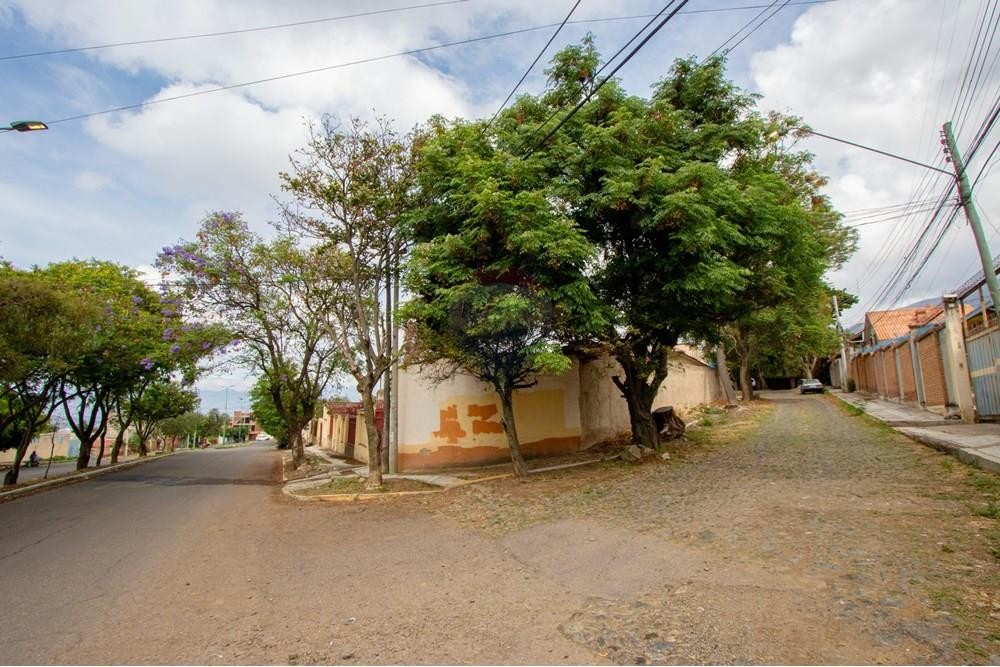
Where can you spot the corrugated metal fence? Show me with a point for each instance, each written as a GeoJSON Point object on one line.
{"type": "Point", "coordinates": [984, 366]}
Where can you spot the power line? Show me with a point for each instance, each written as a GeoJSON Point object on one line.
{"type": "Point", "coordinates": [280, 77]}
{"type": "Point", "coordinates": [558, 110]}
{"type": "Point", "coordinates": [889, 218]}
{"type": "Point", "coordinates": [531, 66]}
{"type": "Point", "coordinates": [222, 33]}
{"type": "Point", "coordinates": [278, 26]}
{"type": "Point", "coordinates": [638, 47]}
{"type": "Point", "coordinates": [425, 49]}
{"type": "Point", "coordinates": [877, 150]}
{"type": "Point", "coordinates": [742, 28]}
{"type": "Point", "coordinates": [757, 27]}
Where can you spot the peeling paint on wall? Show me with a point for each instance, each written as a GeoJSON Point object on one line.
{"type": "Point", "coordinates": [484, 423]}
{"type": "Point", "coordinates": [450, 429]}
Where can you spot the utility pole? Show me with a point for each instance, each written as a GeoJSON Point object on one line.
{"type": "Point", "coordinates": [965, 195]}
{"type": "Point", "coordinates": [843, 349]}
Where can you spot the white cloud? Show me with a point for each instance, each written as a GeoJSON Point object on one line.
{"type": "Point", "coordinates": [91, 181]}
{"type": "Point", "coordinates": [869, 72]}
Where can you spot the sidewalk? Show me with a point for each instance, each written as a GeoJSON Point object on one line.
{"type": "Point", "coordinates": [975, 444]}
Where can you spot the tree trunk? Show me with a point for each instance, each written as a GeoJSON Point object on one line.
{"type": "Point", "coordinates": [639, 397]}
{"type": "Point", "coordinates": [100, 450]}
{"type": "Point", "coordinates": [297, 445]}
{"type": "Point", "coordinates": [728, 391]}
{"type": "Point", "coordinates": [11, 477]}
{"type": "Point", "coordinates": [745, 386]}
{"type": "Point", "coordinates": [510, 428]}
{"type": "Point", "coordinates": [143, 450]}
{"type": "Point", "coordinates": [117, 447]}
{"type": "Point", "coordinates": [83, 458]}
{"type": "Point", "coordinates": [52, 451]}
{"type": "Point", "coordinates": [374, 440]}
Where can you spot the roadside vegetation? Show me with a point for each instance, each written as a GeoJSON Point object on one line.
{"type": "Point", "coordinates": [631, 224]}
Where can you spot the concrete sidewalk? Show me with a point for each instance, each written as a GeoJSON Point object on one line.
{"type": "Point", "coordinates": [975, 444]}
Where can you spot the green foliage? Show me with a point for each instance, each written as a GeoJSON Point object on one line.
{"type": "Point", "coordinates": [160, 401]}
{"type": "Point", "coordinates": [353, 187]}
{"type": "Point", "coordinates": [497, 275]}
{"type": "Point", "coordinates": [267, 415]}
{"type": "Point", "coordinates": [189, 424]}
{"type": "Point", "coordinates": [133, 338]}
{"type": "Point", "coordinates": [700, 214]}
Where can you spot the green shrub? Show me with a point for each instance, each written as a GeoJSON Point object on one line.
{"type": "Point", "coordinates": [851, 385]}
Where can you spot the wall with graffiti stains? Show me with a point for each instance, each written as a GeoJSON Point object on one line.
{"type": "Point", "coordinates": [458, 422]}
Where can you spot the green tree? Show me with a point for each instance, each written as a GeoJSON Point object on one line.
{"type": "Point", "coordinates": [214, 423]}
{"type": "Point", "coordinates": [159, 401]}
{"type": "Point", "coordinates": [497, 275]}
{"type": "Point", "coordinates": [40, 328]}
{"type": "Point", "coordinates": [274, 297]}
{"type": "Point", "coordinates": [265, 412]}
{"type": "Point", "coordinates": [352, 189]}
{"type": "Point", "coordinates": [798, 238]}
{"type": "Point", "coordinates": [135, 338]}
{"type": "Point", "coordinates": [188, 425]}
{"type": "Point", "coordinates": [694, 209]}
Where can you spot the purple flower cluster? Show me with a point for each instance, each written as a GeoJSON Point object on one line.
{"type": "Point", "coordinates": [137, 300]}
{"type": "Point", "coordinates": [147, 363]}
{"type": "Point", "coordinates": [175, 348]}
{"type": "Point", "coordinates": [182, 254]}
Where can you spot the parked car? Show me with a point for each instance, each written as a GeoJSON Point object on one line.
{"type": "Point", "coordinates": [811, 387]}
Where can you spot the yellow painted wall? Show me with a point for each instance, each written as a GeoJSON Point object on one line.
{"type": "Point", "coordinates": [458, 422]}
{"type": "Point", "coordinates": [605, 413]}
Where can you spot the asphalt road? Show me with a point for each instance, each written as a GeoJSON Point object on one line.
{"type": "Point", "coordinates": [78, 565]}
{"type": "Point", "coordinates": [198, 558]}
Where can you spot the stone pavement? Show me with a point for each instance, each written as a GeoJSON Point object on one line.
{"type": "Point", "coordinates": [975, 444]}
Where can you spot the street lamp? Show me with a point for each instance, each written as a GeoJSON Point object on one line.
{"type": "Point", "coordinates": [25, 126]}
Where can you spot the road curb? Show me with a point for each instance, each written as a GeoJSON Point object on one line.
{"type": "Point", "coordinates": [940, 443]}
{"type": "Point", "coordinates": [352, 497]}
{"type": "Point", "coordinates": [50, 484]}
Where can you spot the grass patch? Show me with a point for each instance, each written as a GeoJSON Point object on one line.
{"type": "Point", "coordinates": [729, 427]}
{"type": "Point", "coordinates": [985, 483]}
{"type": "Point", "coordinates": [855, 411]}
{"type": "Point", "coordinates": [353, 485]}
{"type": "Point", "coordinates": [991, 511]}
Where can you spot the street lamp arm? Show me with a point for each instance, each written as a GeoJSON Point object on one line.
{"type": "Point", "coordinates": [876, 150]}
{"type": "Point", "coordinates": [25, 126]}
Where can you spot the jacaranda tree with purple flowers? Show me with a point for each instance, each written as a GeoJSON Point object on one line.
{"type": "Point", "coordinates": [272, 297]}
{"type": "Point", "coordinates": [125, 349]}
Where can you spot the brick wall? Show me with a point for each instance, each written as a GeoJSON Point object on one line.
{"type": "Point", "coordinates": [891, 379]}
{"type": "Point", "coordinates": [906, 367]}
{"type": "Point", "coordinates": [932, 370]}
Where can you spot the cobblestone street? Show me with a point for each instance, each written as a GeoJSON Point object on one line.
{"type": "Point", "coordinates": [800, 533]}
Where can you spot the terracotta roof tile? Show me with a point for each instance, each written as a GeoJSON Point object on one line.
{"type": "Point", "coordinates": [889, 324]}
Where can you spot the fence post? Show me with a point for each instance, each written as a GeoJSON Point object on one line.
{"type": "Point", "coordinates": [956, 362]}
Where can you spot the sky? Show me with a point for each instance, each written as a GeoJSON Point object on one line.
{"type": "Point", "coordinates": [120, 186]}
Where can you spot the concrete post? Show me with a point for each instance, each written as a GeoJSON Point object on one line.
{"type": "Point", "coordinates": [956, 362]}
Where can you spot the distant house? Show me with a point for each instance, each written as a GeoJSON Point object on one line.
{"type": "Point", "coordinates": [885, 325]}
{"type": "Point", "coordinates": [242, 419]}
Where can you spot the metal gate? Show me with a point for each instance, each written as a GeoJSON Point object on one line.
{"type": "Point", "coordinates": [983, 349]}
